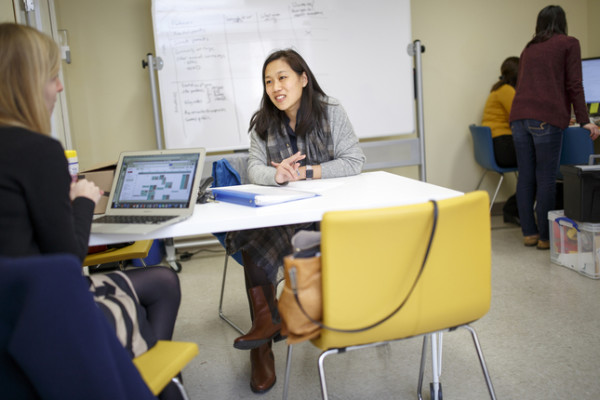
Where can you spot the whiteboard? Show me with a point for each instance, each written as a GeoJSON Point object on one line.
{"type": "Point", "coordinates": [213, 51]}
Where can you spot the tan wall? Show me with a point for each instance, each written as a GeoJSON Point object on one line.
{"type": "Point", "coordinates": [109, 94]}
{"type": "Point", "coordinates": [108, 91]}
{"type": "Point", "coordinates": [7, 13]}
{"type": "Point", "coordinates": [464, 51]}
{"type": "Point", "coordinates": [593, 28]}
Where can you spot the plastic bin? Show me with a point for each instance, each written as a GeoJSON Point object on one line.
{"type": "Point", "coordinates": [575, 245]}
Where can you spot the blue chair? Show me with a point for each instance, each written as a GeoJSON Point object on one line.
{"type": "Point", "coordinates": [577, 146]}
{"type": "Point", "coordinates": [484, 155]}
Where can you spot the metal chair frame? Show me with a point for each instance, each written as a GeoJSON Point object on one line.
{"type": "Point", "coordinates": [221, 314]}
{"type": "Point", "coordinates": [435, 387]}
{"type": "Point", "coordinates": [484, 155]}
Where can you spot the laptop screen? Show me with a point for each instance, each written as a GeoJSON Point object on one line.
{"type": "Point", "coordinates": [155, 181]}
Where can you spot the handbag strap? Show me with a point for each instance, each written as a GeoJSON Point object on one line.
{"type": "Point", "coordinates": [292, 273]}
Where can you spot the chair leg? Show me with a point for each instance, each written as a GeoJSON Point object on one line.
{"type": "Point", "coordinates": [221, 315]}
{"type": "Point", "coordinates": [497, 189]}
{"type": "Point", "coordinates": [180, 387]}
{"type": "Point", "coordinates": [436, 365]}
{"type": "Point", "coordinates": [322, 371]}
{"type": "Point", "coordinates": [486, 374]}
{"type": "Point", "coordinates": [288, 369]}
{"type": "Point", "coordinates": [481, 180]}
{"type": "Point", "coordinates": [422, 368]}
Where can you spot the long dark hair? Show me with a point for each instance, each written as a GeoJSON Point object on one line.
{"type": "Point", "coordinates": [311, 111]}
{"type": "Point", "coordinates": [551, 20]}
{"type": "Point", "coordinates": [509, 72]}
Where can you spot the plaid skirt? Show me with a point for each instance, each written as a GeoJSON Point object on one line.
{"type": "Point", "coordinates": [266, 247]}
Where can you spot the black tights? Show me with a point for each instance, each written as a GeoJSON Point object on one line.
{"type": "Point", "coordinates": [159, 293]}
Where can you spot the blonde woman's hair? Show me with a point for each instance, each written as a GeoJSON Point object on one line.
{"type": "Point", "coordinates": [29, 59]}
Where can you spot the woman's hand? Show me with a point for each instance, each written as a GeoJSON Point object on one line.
{"type": "Point", "coordinates": [287, 170]}
{"type": "Point", "coordinates": [594, 130]}
{"type": "Point", "coordinates": [85, 188]}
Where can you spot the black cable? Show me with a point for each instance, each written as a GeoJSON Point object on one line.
{"type": "Point", "coordinates": [189, 254]}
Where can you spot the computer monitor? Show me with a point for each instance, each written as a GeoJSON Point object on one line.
{"type": "Point", "coordinates": [591, 84]}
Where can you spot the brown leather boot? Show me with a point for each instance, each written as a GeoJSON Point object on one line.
{"type": "Point", "coordinates": [262, 363]}
{"type": "Point", "coordinates": [266, 323]}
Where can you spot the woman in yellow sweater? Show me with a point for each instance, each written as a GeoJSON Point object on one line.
{"type": "Point", "coordinates": [496, 115]}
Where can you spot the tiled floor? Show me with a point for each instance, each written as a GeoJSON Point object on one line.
{"type": "Point", "coordinates": [541, 338]}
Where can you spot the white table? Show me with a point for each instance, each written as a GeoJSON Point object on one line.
{"type": "Point", "coordinates": [367, 190]}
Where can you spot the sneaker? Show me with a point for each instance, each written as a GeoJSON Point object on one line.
{"type": "Point", "coordinates": [531, 240]}
{"type": "Point", "coordinates": [543, 244]}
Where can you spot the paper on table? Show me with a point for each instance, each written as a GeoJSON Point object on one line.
{"type": "Point", "coordinates": [256, 195]}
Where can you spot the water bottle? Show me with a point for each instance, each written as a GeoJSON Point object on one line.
{"type": "Point", "coordinates": [73, 164]}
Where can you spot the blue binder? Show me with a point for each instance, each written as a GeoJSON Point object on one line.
{"type": "Point", "coordinates": [258, 196]}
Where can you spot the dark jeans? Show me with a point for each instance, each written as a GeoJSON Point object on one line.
{"type": "Point", "coordinates": [538, 145]}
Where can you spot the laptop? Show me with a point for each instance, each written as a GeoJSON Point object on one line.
{"type": "Point", "coordinates": [152, 189]}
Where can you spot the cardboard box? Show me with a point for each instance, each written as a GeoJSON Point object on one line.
{"type": "Point", "coordinates": [575, 245]}
{"type": "Point", "coordinates": [102, 175]}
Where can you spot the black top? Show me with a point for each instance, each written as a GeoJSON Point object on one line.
{"type": "Point", "coordinates": [36, 214]}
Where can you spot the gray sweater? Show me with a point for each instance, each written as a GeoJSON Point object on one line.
{"type": "Point", "coordinates": [348, 156]}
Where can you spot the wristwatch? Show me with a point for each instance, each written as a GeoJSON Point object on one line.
{"type": "Point", "coordinates": [309, 172]}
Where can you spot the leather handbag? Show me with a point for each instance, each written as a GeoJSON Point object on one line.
{"type": "Point", "coordinates": [305, 266]}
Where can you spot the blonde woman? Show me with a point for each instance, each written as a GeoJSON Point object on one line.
{"type": "Point", "coordinates": [42, 211]}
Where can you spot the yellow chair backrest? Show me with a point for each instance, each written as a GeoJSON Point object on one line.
{"type": "Point", "coordinates": [370, 259]}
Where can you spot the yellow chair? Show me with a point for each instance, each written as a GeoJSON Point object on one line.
{"type": "Point", "coordinates": [163, 362]}
{"type": "Point", "coordinates": [139, 249]}
{"type": "Point", "coordinates": [371, 258]}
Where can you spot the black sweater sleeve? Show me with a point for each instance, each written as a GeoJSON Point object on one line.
{"type": "Point", "coordinates": [59, 226]}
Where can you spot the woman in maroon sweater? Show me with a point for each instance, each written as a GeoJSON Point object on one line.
{"type": "Point", "coordinates": [549, 83]}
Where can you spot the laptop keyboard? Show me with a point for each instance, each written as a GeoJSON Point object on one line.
{"type": "Point", "coordinates": [133, 219]}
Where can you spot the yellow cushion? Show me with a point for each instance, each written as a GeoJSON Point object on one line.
{"type": "Point", "coordinates": [370, 259]}
{"type": "Point", "coordinates": [163, 362]}
{"type": "Point", "coordinates": [136, 250]}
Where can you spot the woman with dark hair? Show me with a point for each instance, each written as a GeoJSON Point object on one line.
{"type": "Point", "coordinates": [298, 133]}
{"type": "Point", "coordinates": [495, 115]}
{"type": "Point", "coordinates": [549, 84]}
